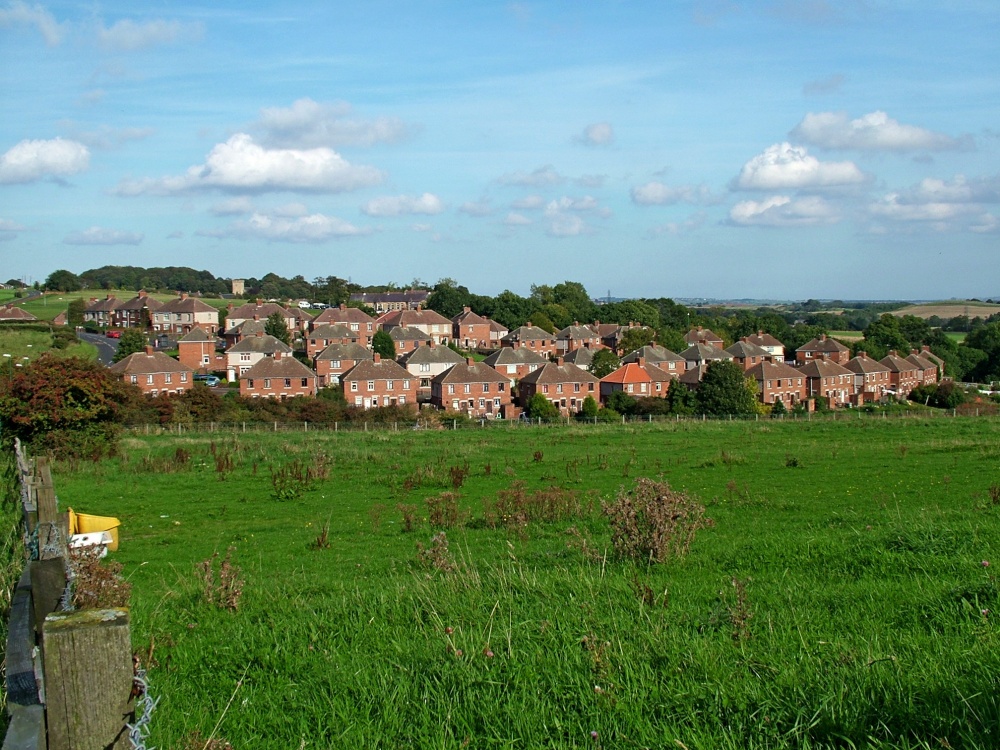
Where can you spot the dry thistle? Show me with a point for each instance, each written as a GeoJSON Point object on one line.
{"type": "Point", "coordinates": [224, 590]}
{"type": "Point", "coordinates": [97, 585]}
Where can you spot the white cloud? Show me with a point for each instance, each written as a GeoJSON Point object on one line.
{"type": "Point", "coordinates": [398, 205]}
{"type": "Point", "coordinates": [783, 166]}
{"type": "Point", "coordinates": [129, 36]}
{"type": "Point", "coordinates": [517, 220]}
{"type": "Point", "coordinates": [240, 165]}
{"type": "Point", "coordinates": [895, 207]}
{"type": "Point", "coordinates": [477, 208]}
{"type": "Point", "coordinates": [291, 210]}
{"type": "Point", "coordinates": [985, 223]}
{"type": "Point", "coordinates": [946, 204]}
{"type": "Point", "coordinates": [597, 134]}
{"type": "Point", "coordinates": [693, 222]}
{"type": "Point", "coordinates": [233, 207]}
{"type": "Point", "coordinates": [587, 204]}
{"type": "Point", "coordinates": [311, 228]}
{"type": "Point", "coordinates": [32, 160]}
{"type": "Point", "coordinates": [9, 229]}
{"type": "Point", "coordinates": [18, 13]}
{"type": "Point", "coordinates": [545, 176]}
{"type": "Point", "coordinates": [309, 124]}
{"type": "Point", "coordinates": [656, 193]}
{"type": "Point", "coordinates": [528, 203]}
{"type": "Point", "coordinates": [567, 225]}
{"type": "Point", "coordinates": [875, 131]}
{"type": "Point", "coordinates": [564, 215]}
{"type": "Point", "coordinates": [176, 235]}
{"type": "Point", "coordinates": [783, 211]}
{"type": "Point", "coordinates": [958, 190]}
{"type": "Point", "coordinates": [102, 236]}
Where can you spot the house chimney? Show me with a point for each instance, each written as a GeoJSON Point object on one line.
{"type": "Point", "coordinates": [863, 355]}
{"type": "Point", "coordinates": [259, 301]}
{"type": "Point", "coordinates": [256, 316]}
{"type": "Point", "coordinates": [377, 358]}
{"type": "Point", "coordinates": [641, 362]}
{"type": "Point", "coordinates": [576, 323]}
{"type": "Point", "coordinates": [343, 306]}
{"type": "Point", "coordinates": [560, 361]}
{"type": "Point", "coordinates": [259, 334]}
{"type": "Point", "coordinates": [142, 294]}
{"type": "Point", "coordinates": [184, 296]}
{"type": "Point", "coordinates": [277, 355]}
{"type": "Point", "coordinates": [470, 361]}
{"type": "Point", "coordinates": [432, 343]}
{"type": "Point", "coordinates": [528, 324]}
{"type": "Point", "coordinates": [822, 337]}
{"type": "Point", "coordinates": [892, 353]}
{"type": "Point", "coordinates": [149, 349]}
{"type": "Point", "coordinates": [467, 309]}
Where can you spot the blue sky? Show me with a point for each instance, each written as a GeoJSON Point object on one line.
{"type": "Point", "coordinates": [785, 149]}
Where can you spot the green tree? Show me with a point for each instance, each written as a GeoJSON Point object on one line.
{"type": "Point", "coordinates": [636, 338]}
{"type": "Point", "coordinates": [448, 298]}
{"type": "Point", "coordinates": [74, 312]}
{"type": "Point", "coordinates": [621, 402]}
{"type": "Point", "coordinates": [275, 326]}
{"type": "Point", "coordinates": [132, 340]}
{"type": "Point", "coordinates": [680, 399]}
{"type": "Point", "coordinates": [540, 407]}
{"type": "Point", "coordinates": [778, 410]}
{"type": "Point", "coordinates": [383, 345]}
{"type": "Point", "coordinates": [589, 409]}
{"type": "Point", "coordinates": [66, 405]}
{"type": "Point", "coordinates": [63, 281]}
{"type": "Point", "coordinates": [604, 363]}
{"type": "Point", "coordinates": [723, 391]}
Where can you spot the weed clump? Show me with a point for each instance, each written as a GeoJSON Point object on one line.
{"type": "Point", "coordinates": [437, 556]}
{"type": "Point", "coordinates": [653, 522]}
{"type": "Point", "coordinates": [443, 512]}
{"type": "Point", "coordinates": [97, 585]}
{"type": "Point", "coordinates": [223, 589]}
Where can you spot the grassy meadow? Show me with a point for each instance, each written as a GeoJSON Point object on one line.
{"type": "Point", "coordinates": [842, 597]}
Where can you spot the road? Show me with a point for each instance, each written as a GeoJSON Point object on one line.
{"type": "Point", "coordinates": [106, 347]}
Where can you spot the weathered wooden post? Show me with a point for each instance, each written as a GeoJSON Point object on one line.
{"type": "Point", "coordinates": [48, 572]}
{"type": "Point", "coordinates": [88, 679]}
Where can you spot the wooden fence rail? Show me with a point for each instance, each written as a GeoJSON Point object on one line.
{"type": "Point", "coordinates": [69, 674]}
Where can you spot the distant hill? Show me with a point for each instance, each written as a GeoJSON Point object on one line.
{"type": "Point", "coordinates": [950, 309]}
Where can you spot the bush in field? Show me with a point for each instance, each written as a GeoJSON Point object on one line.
{"type": "Point", "coordinates": [540, 407]}
{"type": "Point", "coordinates": [653, 522]}
{"type": "Point", "coordinates": [65, 405]}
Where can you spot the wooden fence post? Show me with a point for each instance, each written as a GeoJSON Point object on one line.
{"type": "Point", "coordinates": [88, 679]}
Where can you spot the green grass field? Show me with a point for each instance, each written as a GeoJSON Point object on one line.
{"type": "Point", "coordinates": [839, 600]}
{"type": "Point", "coordinates": [21, 344]}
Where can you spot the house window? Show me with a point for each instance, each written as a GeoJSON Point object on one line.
{"type": "Point", "coordinates": [425, 367]}
{"type": "Point", "coordinates": [288, 382]}
{"type": "Point", "coordinates": [482, 403]}
{"type": "Point", "coordinates": [545, 389]}
{"type": "Point", "coordinates": [371, 385]}
{"type": "Point", "coordinates": [629, 387]}
{"type": "Point", "coordinates": [135, 380]}
{"type": "Point", "coordinates": [305, 382]}
{"type": "Point", "coordinates": [184, 377]}
{"type": "Point", "coordinates": [388, 385]}
{"type": "Point", "coordinates": [402, 400]}
{"type": "Point", "coordinates": [250, 383]}
{"type": "Point", "coordinates": [511, 369]}
{"type": "Point", "coordinates": [149, 380]}
{"type": "Point", "coordinates": [454, 404]}
{"type": "Point", "coordinates": [406, 385]}
{"type": "Point", "coordinates": [467, 388]}
{"type": "Point", "coordinates": [354, 385]}
{"type": "Point", "coordinates": [354, 327]}
{"type": "Point", "coordinates": [486, 387]}
{"type": "Point", "coordinates": [267, 383]}
{"type": "Point", "coordinates": [357, 400]}
{"type": "Point", "coordinates": [205, 360]}
{"type": "Point", "coordinates": [559, 388]}
{"type": "Point", "coordinates": [500, 387]}
{"type": "Point", "coordinates": [334, 364]}
{"type": "Point", "coordinates": [245, 357]}
{"type": "Point", "coordinates": [451, 389]}
{"type": "Point", "coordinates": [576, 387]}
{"type": "Point", "coordinates": [590, 387]}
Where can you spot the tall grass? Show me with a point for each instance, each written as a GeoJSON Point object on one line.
{"type": "Point", "coordinates": [841, 602]}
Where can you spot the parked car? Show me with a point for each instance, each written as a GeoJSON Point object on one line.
{"type": "Point", "coordinates": [113, 334]}
{"type": "Point", "coordinates": [210, 380]}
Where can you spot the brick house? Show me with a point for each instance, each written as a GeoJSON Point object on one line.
{"type": "Point", "coordinates": [330, 333]}
{"type": "Point", "coordinates": [704, 336]}
{"type": "Point", "coordinates": [638, 379]}
{"type": "Point", "coordinates": [10, 313]}
{"type": "Point", "coordinates": [825, 377]}
{"type": "Point", "coordinates": [427, 362]}
{"type": "Point", "coordinates": [358, 321]}
{"type": "Point", "coordinates": [576, 337]}
{"type": "Point", "coordinates": [379, 382]}
{"type": "Point", "coordinates": [871, 378]}
{"type": "Point", "coordinates": [903, 376]}
{"type": "Point", "coordinates": [514, 364]}
{"type": "Point", "coordinates": [566, 386]}
{"type": "Point", "coordinates": [470, 331]}
{"type": "Point", "coordinates": [260, 310]}
{"type": "Point", "coordinates": [179, 316]}
{"type": "Point", "coordinates": [747, 355]}
{"type": "Point", "coordinates": [408, 339]}
{"type": "Point", "coordinates": [382, 302]}
{"type": "Point", "coordinates": [250, 351]}
{"type": "Point", "coordinates": [337, 359]}
{"type": "Point", "coordinates": [303, 320]}
{"type": "Point", "coordinates": [244, 329]}
{"type": "Point", "coordinates": [429, 322]}
{"type": "Point", "coordinates": [136, 312]}
{"type": "Point", "coordinates": [281, 376]}
{"type": "Point", "coordinates": [197, 351]}
{"type": "Point", "coordinates": [531, 337]}
{"type": "Point", "coordinates": [471, 387]}
{"type": "Point", "coordinates": [928, 369]}
{"type": "Point", "coordinates": [154, 373]}
{"type": "Point", "coordinates": [768, 343]}
{"type": "Point", "coordinates": [611, 334]}
{"type": "Point", "coordinates": [101, 311]}
{"type": "Point", "coordinates": [652, 354]}
{"type": "Point", "coordinates": [497, 332]}
{"type": "Point", "coordinates": [582, 358]}
{"type": "Point", "coordinates": [699, 355]}
{"type": "Point", "coordinates": [823, 348]}
{"type": "Point", "coordinates": [777, 381]}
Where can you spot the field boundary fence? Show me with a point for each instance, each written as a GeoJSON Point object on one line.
{"type": "Point", "coordinates": [464, 423]}
{"type": "Point", "coordinates": [69, 674]}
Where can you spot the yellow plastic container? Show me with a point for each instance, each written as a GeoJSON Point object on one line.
{"type": "Point", "coordinates": [83, 523]}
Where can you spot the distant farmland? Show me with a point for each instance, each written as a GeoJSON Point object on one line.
{"type": "Point", "coordinates": [950, 310]}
